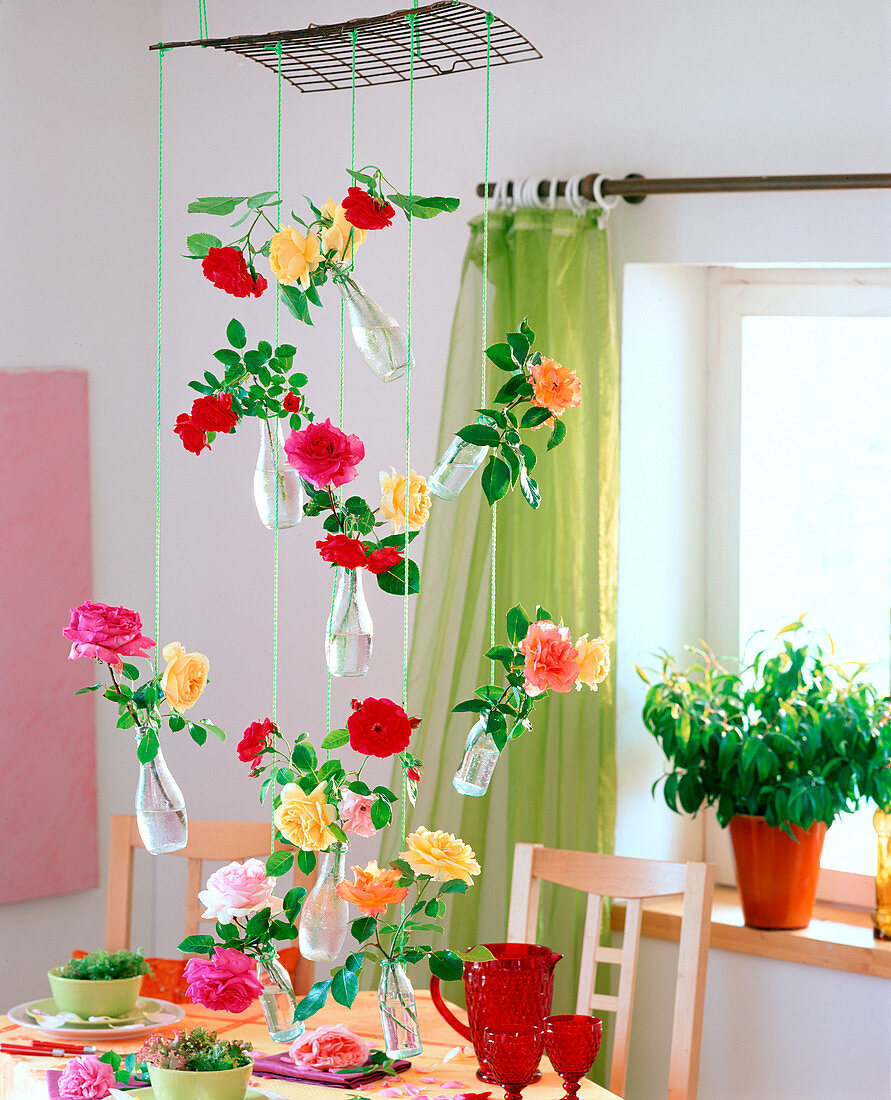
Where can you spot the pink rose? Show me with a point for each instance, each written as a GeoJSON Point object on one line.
{"type": "Point", "coordinates": [324, 455]}
{"type": "Point", "coordinates": [329, 1048]}
{"type": "Point", "coordinates": [106, 633]}
{"type": "Point", "coordinates": [86, 1077]}
{"type": "Point", "coordinates": [551, 659]}
{"type": "Point", "coordinates": [227, 982]}
{"type": "Point", "coordinates": [355, 813]}
{"type": "Point", "coordinates": [237, 891]}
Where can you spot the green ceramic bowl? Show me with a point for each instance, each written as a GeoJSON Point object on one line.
{"type": "Point", "coordinates": [183, 1084]}
{"type": "Point", "coordinates": [116, 997]}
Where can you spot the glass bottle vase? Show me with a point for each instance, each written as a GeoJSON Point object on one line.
{"type": "Point", "coordinates": [480, 757]}
{"type": "Point", "coordinates": [288, 487]}
{"type": "Point", "coordinates": [377, 335]}
{"type": "Point", "coordinates": [278, 999]}
{"type": "Point", "coordinates": [325, 914]}
{"type": "Point", "coordinates": [881, 915]}
{"type": "Point", "coordinates": [350, 633]}
{"type": "Point", "coordinates": [160, 808]}
{"type": "Point", "coordinates": [399, 1016]}
{"type": "Point", "coordinates": [455, 468]}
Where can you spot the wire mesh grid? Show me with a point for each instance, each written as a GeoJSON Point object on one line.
{"type": "Point", "coordinates": [450, 37]}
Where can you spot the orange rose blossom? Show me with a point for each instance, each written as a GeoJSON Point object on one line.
{"type": "Point", "coordinates": [556, 387]}
{"type": "Point", "coordinates": [373, 889]}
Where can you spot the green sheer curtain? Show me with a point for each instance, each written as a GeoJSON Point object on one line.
{"type": "Point", "coordinates": [555, 785]}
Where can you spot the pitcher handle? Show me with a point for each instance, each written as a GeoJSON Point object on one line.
{"type": "Point", "coordinates": [448, 1016]}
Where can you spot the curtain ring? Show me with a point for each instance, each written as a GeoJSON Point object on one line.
{"type": "Point", "coordinates": [605, 204]}
{"type": "Point", "coordinates": [512, 200]}
{"type": "Point", "coordinates": [552, 194]}
{"type": "Point", "coordinates": [578, 204]}
{"type": "Point", "coordinates": [498, 194]}
{"type": "Point", "coordinates": [530, 195]}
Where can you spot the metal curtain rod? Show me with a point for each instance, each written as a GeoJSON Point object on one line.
{"type": "Point", "coordinates": [635, 188]}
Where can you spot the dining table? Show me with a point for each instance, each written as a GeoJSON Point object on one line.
{"type": "Point", "coordinates": [446, 1070]}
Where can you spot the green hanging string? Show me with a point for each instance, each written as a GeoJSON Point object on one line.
{"type": "Point", "coordinates": [278, 195]}
{"type": "Point", "coordinates": [161, 53]}
{"type": "Point", "coordinates": [489, 19]}
{"type": "Point", "coordinates": [202, 19]}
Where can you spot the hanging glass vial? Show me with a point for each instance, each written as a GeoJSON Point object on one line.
{"type": "Point", "coordinates": [399, 1016]}
{"type": "Point", "coordinates": [278, 999]}
{"type": "Point", "coordinates": [455, 469]}
{"type": "Point", "coordinates": [350, 633]}
{"type": "Point", "coordinates": [160, 807]}
{"type": "Point", "coordinates": [266, 485]}
{"type": "Point", "coordinates": [325, 914]}
{"type": "Point", "coordinates": [378, 336]}
{"type": "Point", "coordinates": [480, 757]}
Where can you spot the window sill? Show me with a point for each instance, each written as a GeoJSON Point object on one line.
{"type": "Point", "coordinates": [838, 937]}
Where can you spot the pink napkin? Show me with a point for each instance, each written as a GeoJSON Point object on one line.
{"type": "Point", "coordinates": [279, 1065]}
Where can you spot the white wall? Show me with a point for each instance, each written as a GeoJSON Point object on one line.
{"type": "Point", "coordinates": [766, 86]}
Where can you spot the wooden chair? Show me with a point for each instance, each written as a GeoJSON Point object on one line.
{"type": "Point", "coordinates": [602, 876]}
{"type": "Point", "coordinates": [208, 840]}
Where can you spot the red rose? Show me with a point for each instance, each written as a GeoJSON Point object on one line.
{"type": "Point", "coordinates": [226, 268]}
{"type": "Point", "coordinates": [256, 737]}
{"type": "Point", "coordinates": [364, 212]}
{"type": "Point", "coordinates": [384, 558]}
{"type": "Point", "coordinates": [292, 402]}
{"type": "Point", "coordinates": [414, 774]}
{"type": "Point", "coordinates": [378, 727]}
{"type": "Point", "coordinates": [324, 455]}
{"type": "Point", "coordinates": [342, 550]}
{"type": "Point", "coordinates": [214, 414]}
{"type": "Point", "coordinates": [193, 438]}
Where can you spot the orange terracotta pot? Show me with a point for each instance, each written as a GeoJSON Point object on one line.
{"type": "Point", "coordinates": [777, 875]}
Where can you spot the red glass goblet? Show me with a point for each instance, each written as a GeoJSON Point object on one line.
{"type": "Point", "coordinates": [513, 1054]}
{"type": "Point", "coordinates": [572, 1043]}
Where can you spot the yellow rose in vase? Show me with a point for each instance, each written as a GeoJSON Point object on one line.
{"type": "Point", "coordinates": [441, 855]}
{"type": "Point", "coordinates": [293, 257]}
{"type": "Point", "coordinates": [338, 234]}
{"type": "Point", "coordinates": [185, 677]}
{"type": "Point", "coordinates": [303, 819]}
{"type": "Point", "coordinates": [393, 500]}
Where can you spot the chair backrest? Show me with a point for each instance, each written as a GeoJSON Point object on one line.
{"type": "Point", "coordinates": [208, 840]}
{"type": "Point", "coordinates": [602, 876]}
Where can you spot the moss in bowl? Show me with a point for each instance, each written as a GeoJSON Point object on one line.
{"type": "Point", "coordinates": [99, 984]}
{"type": "Point", "coordinates": [196, 1065]}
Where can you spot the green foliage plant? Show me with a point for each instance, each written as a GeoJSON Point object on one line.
{"type": "Point", "coordinates": [790, 737]}
{"type": "Point", "coordinates": [106, 966]}
{"type": "Point", "coordinates": [198, 1051]}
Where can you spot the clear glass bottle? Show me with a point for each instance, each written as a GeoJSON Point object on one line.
{"type": "Point", "coordinates": [378, 336]}
{"type": "Point", "coordinates": [278, 999]}
{"type": "Point", "coordinates": [160, 808]}
{"type": "Point", "coordinates": [325, 914]}
{"type": "Point", "coordinates": [480, 757]}
{"type": "Point", "coordinates": [455, 468]}
{"type": "Point", "coordinates": [350, 632]}
{"type": "Point", "coordinates": [399, 1016]}
{"type": "Point", "coordinates": [881, 915]}
{"type": "Point", "coordinates": [290, 491]}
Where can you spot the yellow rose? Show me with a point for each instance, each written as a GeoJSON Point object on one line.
{"type": "Point", "coordinates": [185, 676]}
{"type": "Point", "coordinates": [442, 856]}
{"type": "Point", "coordinates": [393, 500]}
{"type": "Point", "coordinates": [303, 819]}
{"type": "Point", "coordinates": [338, 234]}
{"type": "Point", "coordinates": [293, 257]}
{"type": "Point", "coordinates": [593, 662]}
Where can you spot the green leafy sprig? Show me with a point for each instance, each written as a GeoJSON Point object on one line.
{"type": "Point", "coordinates": [124, 1067]}
{"type": "Point", "coordinates": [106, 966]}
{"type": "Point", "coordinates": [413, 206]}
{"type": "Point", "coordinates": [199, 244]}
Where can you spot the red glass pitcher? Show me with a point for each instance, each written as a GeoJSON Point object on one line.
{"type": "Point", "coordinates": [516, 987]}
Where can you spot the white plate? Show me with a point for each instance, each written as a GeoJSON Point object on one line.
{"type": "Point", "coordinates": [172, 1014]}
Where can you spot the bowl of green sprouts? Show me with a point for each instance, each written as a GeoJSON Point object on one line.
{"type": "Point", "coordinates": [102, 983]}
{"type": "Point", "coordinates": [196, 1065]}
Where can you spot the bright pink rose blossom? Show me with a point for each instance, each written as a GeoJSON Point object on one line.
{"type": "Point", "coordinates": [237, 891]}
{"type": "Point", "coordinates": [355, 813]}
{"type": "Point", "coordinates": [86, 1077]}
{"type": "Point", "coordinates": [551, 659]}
{"type": "Point", "coordinates": [106, 633]}
{"type": "Point", "coordinates": [329, 1048]}
{"type": "Point", "coordinates": [324, 455]}
{"type": "Point", "coordinates": [226, 982]}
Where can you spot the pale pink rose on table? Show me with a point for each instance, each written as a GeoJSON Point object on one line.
{"type": "Point", "coordinates": [227, 982]}
{"type": "Point", "coordinates": [86, 1078]}
{"type": "Point", "coordinates": [237, 891]}
{"type": "Point", "coordinates": [105, 633]}
{"type": "Point", "coordinates": [551, 658]}
{"type": "Point", "coordinates": [329, 1048]}
{"type": "Point", "coordinates": [355, 813]}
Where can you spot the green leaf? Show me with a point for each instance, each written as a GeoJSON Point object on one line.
{"type": "Point", "coordinates": [176, 722]}
{"type": "Point", "coordinates": [385, 792]}
{"type": "Point", "coordinates": [480, 953]}
{"type": "Point", "coordinates": [534, 416]}
{"type": "Point", "coordinates": [197, 733]}
{"type": "Point", "coordinates": [344, 986]}
{"type": "Point", "coordinates": [519, 346]}
{"type": "Point", "coordinates": [84, 691]}
{"type": "Point", "coordinates": [453, 886]}
{"type": "Point", "coordinates": [362, 928]}
{"type": "Point", "coordinates": [304, 757]}
{"type": "Point", "coordinates": [293, 901]}
{"type": "Point", "coordinates": [502, 653]}
{"type": "Point", "coordinates": [393, 581]}
{"type": "Point", "coordinates": [558, 434]}
{"type": "Point", "coordinates": [335, 740]}
{"type": "Point", "coordinates": [306, 861]}
{"type": "Point", "coordinates": [313, 1001]}
{"type": "Point", "coordinates": [147, 748]}
{"type": "Point", "coordinates": [235, 333]}
{"type": "Point", "coordinates": [295, 300]}
{"type": "Point", "coordinates": [510, 456]}
{"type": "Point", "coordinates": [446, 965]}
{"type": "Point", "coordinates": [543, 615]}
{"type": "Point", "coordinates": [529, 488]}
{"type": "Point", "coordinates": [517, 624]}
{"type": "Point", "coordinates": [215, 204]}
{"type": "Point", "coordinates": [199, 244]}
{"type": "Point", "coordinates": [125, 721]}
{"type": "Point", "coordinates": [381, 814]}
{"type": "Point", "coordinates": [480, 435]}
{"type": "Point", "coordinates": [496, 479]}
{"type": "Point", "coordinates": [354, 962]}
{"type": "Point", "coordinates": [215, 730]}
{"type": "Point", "coordinates": [130, 671]}
{"type": "Point", "coordinates": [500, 355]}
{"type": "Point", "coordinates": [472, 706]}
{"type": "Point", "coordinates": [279, 863]}
{"type": "Point", "coordinates": [262, 199]}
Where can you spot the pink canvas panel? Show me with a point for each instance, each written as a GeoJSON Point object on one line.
{"type": "Point", "coordinates": [48, 841]}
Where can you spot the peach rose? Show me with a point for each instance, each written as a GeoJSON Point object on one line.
{"type": "Point", "coordinates": [551, 658]}
{"type": "Point", "coordinates": [334, 1047]}
{"type": "Point", "coordinates": [293, 257]}
{"type": "Point", "coordinates": [393, 500]}
{"type": "Point", "coordinates": [442, 856]}
{"type": "Point", "coordinates": [355, 813]}
{"type": "Point", "coordinates": [373, 889]}
{"type": "Point", "coordinates": [338, 234]}
{"type": "Point", "coordinates": [556, 387]}
{"type": "Point", "coordinates": [185, 676]}
{"type": "Point", "coordinates": [593, 662]}
{"type": "Point", "coordinates": [303, 819]}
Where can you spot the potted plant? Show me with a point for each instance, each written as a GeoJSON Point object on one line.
{"type": "Point", "coordinates": [779, 748]}
{"type": "Point", "coordinates": [196, 1065]}
{"type": "Point", "coordinates": [99, 984]}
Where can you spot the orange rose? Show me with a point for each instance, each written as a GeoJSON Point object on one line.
{"type": "Point", "coordinates": [593, 661]}
{"type": "Point", "coordinates": [185, 676]}
{"type": "Point", "coordinates": [556, 387]}
{"type": "Point", "coordinates": [442, 856]}
{"type": "Point", "coordinates": [373, 889]}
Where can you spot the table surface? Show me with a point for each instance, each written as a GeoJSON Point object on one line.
{"type": "Point", "coordinates": [442, 1062]}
